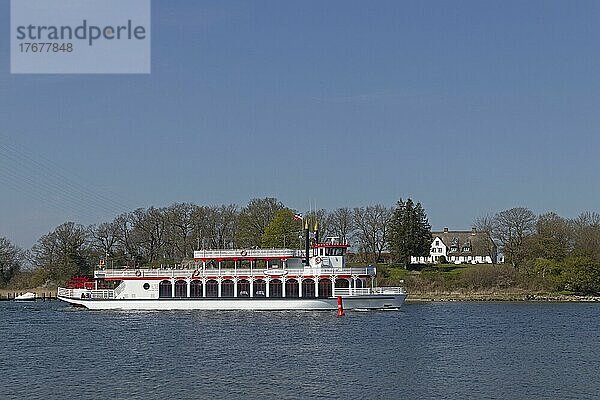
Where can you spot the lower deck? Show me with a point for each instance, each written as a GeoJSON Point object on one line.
{"type": "Point", "coordinates": [373, 301]}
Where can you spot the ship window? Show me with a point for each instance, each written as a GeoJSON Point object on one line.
{"type": "Point", "coordinates": [146, 286]}
{"type": "Point", "coordinates": [334, 251]}
{"type": "Point", "coordinates": [165, 289]}
{"type": "Point", "coordinates": [196, 288]}
{"type": "Point", "coordinates": [243, 288]}
{"type": "Point", "coordinates": [291, 288]}
{"type": "Point", "coordinates": [359, 283]}
{"type": "Point", "coordinates": [325, 287]}
{"type": "Point", "coordinates": [212, 288]}
{"type": "Point", "coordinates": [308, 288]}
{"type": "Point", "coordinates": [275, 288]}
{"type": "Point", "coordinates": [227, 288]}
{"type": "Point", "coordinates": [180, 289]}
{"type": "Point", "coordinates": [260, 288]}
{"type": "Point", "coordinates": [342, 283]}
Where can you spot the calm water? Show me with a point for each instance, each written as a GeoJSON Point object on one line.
{"type": "Point", "coordinates": [426, 351]}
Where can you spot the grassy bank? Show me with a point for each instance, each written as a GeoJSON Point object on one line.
{"type": "Point", "coordinates": [450, 282]}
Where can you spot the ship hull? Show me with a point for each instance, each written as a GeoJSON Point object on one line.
{"type": "Point", "coordinates": [256, 303]}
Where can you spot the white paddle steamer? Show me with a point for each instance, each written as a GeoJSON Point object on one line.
{"type": "Point", "coordinates": [240, 279]}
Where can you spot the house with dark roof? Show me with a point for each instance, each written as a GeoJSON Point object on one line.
{"type": "Point", "coordinates": [459, 247]}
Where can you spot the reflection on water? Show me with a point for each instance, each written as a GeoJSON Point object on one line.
{"type": "Point", "coordinates": [426, 351]}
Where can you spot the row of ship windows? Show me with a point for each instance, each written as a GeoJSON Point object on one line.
{"type": "Point", "coordinates": [331, 251]}
{"type": "Point", "coordinates": [165, 289]}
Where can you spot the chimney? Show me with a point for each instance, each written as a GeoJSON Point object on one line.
{"type": "Point", "coordinates": [445, 230]}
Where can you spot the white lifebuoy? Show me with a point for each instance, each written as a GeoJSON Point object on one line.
{"type": "Point", "coordinates": [318, 260]}
{"type": "Point", "coordinates": [244, 253]}
{"type": "Point", "coordinates": [138, 273]}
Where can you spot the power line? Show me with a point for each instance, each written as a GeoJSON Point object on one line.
{"type": "Point", "coordinates": [47, 172]}
{"type": "Point", "coordinates": [53, 194]}
{"type": "Point", "coordinates": [26, 174]}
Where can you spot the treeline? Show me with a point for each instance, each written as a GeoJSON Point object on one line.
{"type": "Point", "coordinates": [150, 237]}
{"type": "Point", "coordinates": [541, 251]}
{"type": "Point", "coordinates": [548, 250]}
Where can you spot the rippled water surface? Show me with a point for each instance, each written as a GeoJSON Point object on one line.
{"type": "Point", "coordinates": [425, 351]}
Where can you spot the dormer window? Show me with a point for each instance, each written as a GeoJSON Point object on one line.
{"type": "Point", "coordinates": [454, 245]}
{"type": "Point", "coordinates": [466, 247]}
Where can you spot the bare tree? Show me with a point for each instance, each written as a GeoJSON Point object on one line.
{"type": "Point", "coordinates": [341, 224]}
{"type": "Point", "coordinates": [372, 224]}
{"type": "Point", "coordinates": [586, 234]}
{"type": "Point", "coordinates": [105, 238]}
{"type": "Point", "coordinates": [149, 233]}
{"type": "Point", "coordinates": [221, 223]}
{"type": "Point", "coordinates": [484, 223]}
{"type": "Point", "coordinates": [201, 229]}
{"type": "Point", "coordinates": [510, 229]}
{"type": "Point", "coordinates": [180, 229]}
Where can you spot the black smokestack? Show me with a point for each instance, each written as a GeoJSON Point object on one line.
{"type": "Point", "coordinates": [307, 242]}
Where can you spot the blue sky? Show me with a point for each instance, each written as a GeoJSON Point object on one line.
{"type": "Point", "coordinates": [466, 106]}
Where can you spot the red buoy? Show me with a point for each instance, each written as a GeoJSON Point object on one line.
{"type": "Point", "coordinates": [340, 307]}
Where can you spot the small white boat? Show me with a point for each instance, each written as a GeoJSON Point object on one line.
{"type": "Point", "coordinates": [26, 297]}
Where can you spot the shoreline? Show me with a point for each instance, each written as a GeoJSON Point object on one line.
{"type": "Point", "coordinates": [499, 297]}
{"type": "Point", "coordinates": [40, 293]}
{"type": "Point", "coordinates": [412, 298]}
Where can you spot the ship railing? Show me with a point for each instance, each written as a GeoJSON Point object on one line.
{"type": "Point", "coordinates": [368, 291]}
{"type": "Point", "coordinates": [234, 272]}
{"type": "Point", "coordinates": [102, 294]}
{"type": "Point", "coordinates": [64, 292]}
{"type": "Point", "coordinates": [247, 253]}
{"type": "Point", "coordinates": [93, 294]}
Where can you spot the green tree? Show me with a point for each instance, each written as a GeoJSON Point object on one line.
{"type": "Point", "coordinates": [63, 253]}
{"type": "Point", "coordinates": [553, 239]}
{"type": "Point", "coordinates": [283, 231]}
{"type": "Point", "coordinates": [581, 274]}
{"type": "Point", "coordinates": [11, 259]}
{"type": "Point", "coordinates": [410, 232]}
{"type": "Point", "coordinates": [254, 219]}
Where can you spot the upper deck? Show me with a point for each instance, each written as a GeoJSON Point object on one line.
{"type": "Point", "coordinates": [247, 254]}
{"type": "Point", "coordinates": [199, 273]}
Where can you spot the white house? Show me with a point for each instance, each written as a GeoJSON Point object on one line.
{"type": "Point", "coordinates": [460, 247]}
